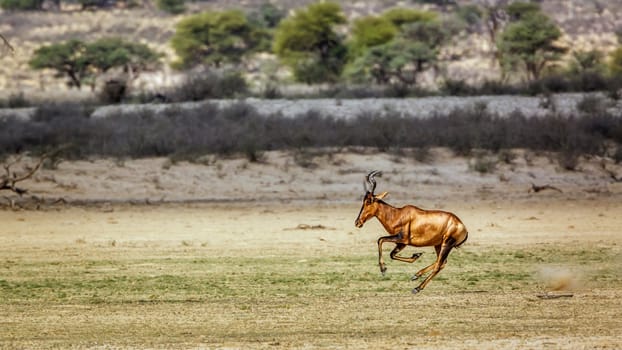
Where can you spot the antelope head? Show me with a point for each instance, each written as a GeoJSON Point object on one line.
{"type": "Point", "coordinates": [370, 201]}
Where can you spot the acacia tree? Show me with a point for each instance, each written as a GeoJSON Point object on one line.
{"type": "Point", "coordinates": [308, 43]}
{"type": "Point", "coordinates": [398, 61]}
{"type": "Point", "coordinates": [530, 44]}
{"type": "Point", "coordinates": [518, 10]}
{"type": "Point", "coordinates": [400, 16]}
{"type": "Point", "coordinates": [586, 62]}
{"type": "Point", "coordinates": [214, 38]}
{"type": "Point", "coordinates": [107, 53]}
{"type": "Point", "coordinates": [82, 62]}
{"type": "Point", "coordinates": [396, 58]}
{"type": "Point", "coordinates": [67, 58]}
{"type": "Point", "coordinates": [370, 31]}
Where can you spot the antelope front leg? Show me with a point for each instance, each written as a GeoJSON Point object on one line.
{"type": "Point", "coordinates": [398, 248]}
{"type": "Point", "coordinates": [381, 240]}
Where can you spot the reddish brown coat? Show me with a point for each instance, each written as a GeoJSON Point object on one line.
{"type": "Point", "coordinates": [412, 226]}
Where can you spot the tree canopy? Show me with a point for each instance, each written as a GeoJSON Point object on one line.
{"type": "Point", "coordinates": [400, 16]}
{"type": "Point", "coordinates": [531, 43]}
{"type": "Point", "coordinates": [397, 61]}
{"type": "Point", "coordinates": [214, 38]}
{"type": "Point", "coordinates": [396, 46]}
{"type": "Point", "coordinates": [518, 10]}
{"type": "Point", "coordinates": [81, 61]}
{"type": "Point", "coordinates": [309, 44]}
{"type": "Point", "coordinates": [371, 31]}
{"type": "Point", "coordinates": [67, 58]}
{"type": "Point", "coordinates": [106, 53]}
{"type": "Point", "coordinates": [586, 61]}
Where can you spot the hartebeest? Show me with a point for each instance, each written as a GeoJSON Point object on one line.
{"type": "Point", "coordinates": [411, 226]}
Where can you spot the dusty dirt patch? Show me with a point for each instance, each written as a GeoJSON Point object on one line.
{"type": "Point", "coordinates": [328, 175]}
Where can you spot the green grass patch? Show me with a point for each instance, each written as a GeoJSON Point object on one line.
{"type": "Point", "coordinates": [214, 278]}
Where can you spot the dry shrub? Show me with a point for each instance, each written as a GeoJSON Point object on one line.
{"type": "Point", "coordinates": [210, 84]}
{"type": "Point", "coordinates": [240, 129]}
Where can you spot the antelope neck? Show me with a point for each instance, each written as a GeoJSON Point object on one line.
{"type": "Point", "coordinates": [387, 214]}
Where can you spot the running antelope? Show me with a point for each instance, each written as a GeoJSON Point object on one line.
{"type": "Point", "coordinates": [411, 226]}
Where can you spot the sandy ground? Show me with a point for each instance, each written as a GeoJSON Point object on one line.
{"type": "Point", "coordinates": [325, 175]}
{"type": "Point", "coordinates": [149, 211]}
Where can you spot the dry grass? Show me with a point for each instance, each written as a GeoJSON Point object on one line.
{"type": "Point", "coordinates": [239, 276]}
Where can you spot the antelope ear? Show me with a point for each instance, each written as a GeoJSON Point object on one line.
{"type": "Point", "coordinates": [382, 195]}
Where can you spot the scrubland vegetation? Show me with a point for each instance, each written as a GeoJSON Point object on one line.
{"type": "Point", "coordinates": [400, 51]}
{"type": "Point", "coordinates": [240, 130]}
{"type": "Point", "coordinates": [386, 54]}
{"type": "Point", "coordinates": [258, 253]}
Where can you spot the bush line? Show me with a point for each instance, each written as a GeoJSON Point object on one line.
{"type": "Point", "coordinates": [240, 129]}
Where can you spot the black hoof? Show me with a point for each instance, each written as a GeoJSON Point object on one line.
{"type": "Point", "coordinates": [383, 270]}
{"type": "Point", "coordinates": [416, 290]}
{"type": "Point", "coordinates": [414, 278]}
{"type": "Point", "coordinates": [416, 255]}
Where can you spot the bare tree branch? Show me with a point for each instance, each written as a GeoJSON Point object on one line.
{"type": "Point", "coordinates": [535, 188]}
{"type": "Point", "coordinates": [10, 179]}
{"type": "Point", "coordinates": [7, 43]}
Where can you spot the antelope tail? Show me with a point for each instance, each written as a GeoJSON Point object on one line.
{"type": "Point", "coordinates": [464, 240]}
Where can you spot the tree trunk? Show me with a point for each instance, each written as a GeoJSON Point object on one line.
{"type": "Point", "coordinates": [74, 78]}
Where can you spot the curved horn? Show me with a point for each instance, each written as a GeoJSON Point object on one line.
{"type": "Point", "coordinates": [371, 180]}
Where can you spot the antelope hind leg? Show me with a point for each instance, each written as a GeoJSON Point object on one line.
{"type": "Point", "coordinates": [440, 263]}
{"type": "Point", "coordinates": [423, 271]}
{"type": "Point", "coordinates": [427, 269]}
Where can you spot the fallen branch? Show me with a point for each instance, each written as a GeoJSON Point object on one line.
{"type": "Point", "coordinates": [308, 227]}
{"type": "Point", "coordinates": [554, 296]}
{"type": "Point", "coordinates": [535, 188]}
{"type": "Point", "coordinates": [613, 176]}
{"type": "Point", "coordinates": [10, 179]}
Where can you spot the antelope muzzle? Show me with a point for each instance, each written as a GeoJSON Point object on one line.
{"type": "Point", "coordinates": [358, 223]}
